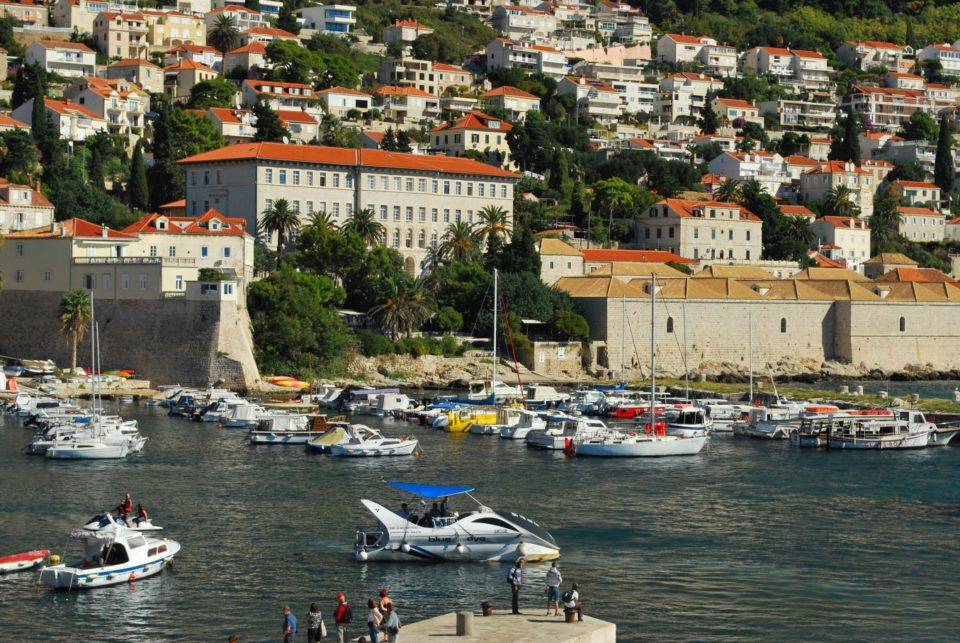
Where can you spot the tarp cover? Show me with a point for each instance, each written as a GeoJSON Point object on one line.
{"type": "Point", "coordinates": [430, 490]}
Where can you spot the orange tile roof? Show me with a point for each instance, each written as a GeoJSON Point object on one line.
{"type": "Point", "coordinates": [876, 44]}
{"type": "Point", "coordinates": [110, 15]}
{"type": "Point", "coordinates": [409, 24]}
{"type": "Point", "coordinates": [74, 229]}
{"type": "Point", "coordinates": [822, 261]}
{"type": "Point", "coordinates": [445, 67]}
{"type": "Point", "coordinates": [836, 167]}
{"type": "Point", "coordinates": [919, 212]}
{"type": "Point", "coordinates": [887, 91]}
{"type": "Point", "coordinates": [62, 44]}
{"type": "Point", "coordinates": [806, 53]}
{"type": "Point", "coordinates": [255, 47]}
{"type": "Point", "coordinates": [919, 275]}
{"type": "Point", "coordinates": [917, 184]}
{"type": "Point", "coordinates": [342, 90]}
{"type": "Point", "coordinates": [736, 102]}
{"type": "Point", "coordinates": [797, 211]}
{"type": "Point", "coordinates": [595, 83]}
{"type": "Point", "coordinates": [295, 116]}
{"type": "Point", "coordinates": [775, 51]}
{"type": "Point", "coordinates": [642, 256]}
{"type": "Point", "coordinates": [234, 7]}
{"type": "Point", "coordinates": [147, 224]}
{"type": "Point", "coordinates": [349, 157]}
{"type": "Point", "coordinates": [133, 62]}
{"type": "Point", "coordinates": [688, 40]}
{"type": "Point", "coordinates": [507, 90]}
{"type": "Point", "coordinates": [900, 74]}
{"type": "Point", "coordinates": [797, 159]}
{"type": "Point", "coordinates": [66, 107]}
{"type": "Point", "coordinates": [685, 208]}
{"type": "Point", "coordinates": [226, 115]}
{"type": "Point", "coordinates": [475, 121]}
{"type": "Point", "coordinates": [36, 196]}
{"type": "Point", "coordinates": [393, 90]}
{"type": "Point", "coordinates": [6, 121]}
{"type": "Point", "coordinates": [844, 222]}
{"type": "Point", "coordinates": [270, 31]}
{"type": "Point", "coordinates": [186, 63]}
{"type": "Point", "coordinates": [179, 203]}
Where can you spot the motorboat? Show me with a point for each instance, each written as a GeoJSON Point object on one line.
{"type": "Point", "coordinates": [689, 422]}
{"type": "Point", "coordinates": [769, 423]}
{"type": "Point", "coordinates": [86, 448]}
{"type": "Point", "coordinates": [527, 421]}
{"type": "Point", "coordinates": [23, 561]}
{"type": "Point", "coordinates": [815, 428]}
{"type": "Point", "coordinates": [506, 418]}
{"type": "Point", "coordinates": [560, 431]}
{"type": "Point", "coordinates": [112, 556]}
{"type": "Point", "coordinates": [875, 433]}
{"type": "Point", "coordinates": [478, 535]}
{"type": "Point", "coordinates": [723, 414]}
{"type": "Point", "coordinates": [363, 397]}
{"type": "Point", "coordinates": [334, 434]}
{"type": "Point", "coordinates": [290, 429]}
{"type": "Point", "coordinates": [362, 441]}
{"type": "Point", "coordinates": [585, 402]}
{"type": "Point", "coordinates": [383, 404]}
{"type": "Point", "coordinates": [460, 420]}
{"type": "Point", "coordinates": [940, 435]}
{"type": "Point", "coordinates": [492, 392]}
{"type": "Point", "coordinates": [542, 395]}
{"type": "Point", "coordinates": [105, 519]}
{"type": "Point", "coordinates": [637, 444]}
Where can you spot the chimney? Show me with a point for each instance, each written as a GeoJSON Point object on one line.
{"type": "Point", "coordinates": [63, 231]}
{"type": "Point", "coordinates": [53, 227]}
{"type": "Point", "coordinates": [69, 101]}
{"type": "Point", "coordinates": [103, 231]}
{"type": "Point", "coordinates": [850, 222]}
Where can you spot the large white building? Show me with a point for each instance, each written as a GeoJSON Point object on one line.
{"type": "Point", "coordinates": [415, 197]}
{"type": "Point", "coordinates": [70, 59]}
{"type": "Point", "coordinates": [700, 230]}
{"type": "Point", "coordinates": [23, 207]}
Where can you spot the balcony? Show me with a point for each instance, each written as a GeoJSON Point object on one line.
{"type": "Point", "coordinates": [103, 261]}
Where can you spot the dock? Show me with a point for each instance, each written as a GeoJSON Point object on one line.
{"type": "Point", "coordinates": [503, 626]}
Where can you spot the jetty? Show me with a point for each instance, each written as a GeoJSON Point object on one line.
{"type": "Point", "coordinates": [504, 626]}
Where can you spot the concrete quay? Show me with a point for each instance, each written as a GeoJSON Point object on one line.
{"type": "Point", "coordinates": [530, 627]}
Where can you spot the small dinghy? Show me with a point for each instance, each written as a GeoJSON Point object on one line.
{"type": "Point", "coordinates": [23, 561]}
{"type": "Point", "coordinates": [104, 520]}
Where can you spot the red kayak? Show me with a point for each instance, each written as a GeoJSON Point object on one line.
{"type": "Point", "coordinates": [20, 562]}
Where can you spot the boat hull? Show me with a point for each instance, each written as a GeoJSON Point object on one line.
{"type": "Point", "coordinates": [283, 437]}
{"type": "Point", "coordinates": [105, 452]}
{"type": "Point", "coordinates": [64, 577]}
{"type": "Point", "coordinates": [653, 448]}
{"type": "Point", "coordinates": [406, 447]}
{"type": "Point", "coordinates": [942, 437]}
{"type": "Point", "coordinates": [515, 432]}
{"type": "Point", "coordinates": [22, 562]}
{"type": "Point", "coordinates": [904, 441]}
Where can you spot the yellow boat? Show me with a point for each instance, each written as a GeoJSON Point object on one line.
{"type": "Point", "coordinates": [461, 420]}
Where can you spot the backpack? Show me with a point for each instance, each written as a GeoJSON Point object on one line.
{"type": "Point", "coordinates": [347, 614]}
{"type": "Point", "coordinates": [510, 578]}
{"type": "Point", "coordinates": [567, 596]}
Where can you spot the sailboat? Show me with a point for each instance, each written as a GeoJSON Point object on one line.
{"type": "Point", "coordinates": [653, 441]}
{"type": "Point", "coordinates": [98, 441]}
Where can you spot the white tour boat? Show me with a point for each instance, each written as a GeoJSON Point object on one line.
{"type": "Point", "coordinates": [362, 441]}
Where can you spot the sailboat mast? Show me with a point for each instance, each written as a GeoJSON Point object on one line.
{"type": "Point", "coordinates": [493, 382]}
{"type": "Point", "coordinates": [93, 361]}
{"type": "Point", "coordinates": [653, 353]}
{"type": "Point", "coordinates": [623, 330]}
{"type": "Point", "coordinates": [750, 341]}
{"type": "Point", "coordinates": [686, 367]}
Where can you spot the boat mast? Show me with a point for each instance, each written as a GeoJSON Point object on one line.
{"type": "Point", "coordinates": [750, 342]}
{"type": "Point", "coordinates": [686, 368]}
{"type": "Point", "coordinates": [93, 364]}
{"type": "Point", "coordinates": [623, 339]}
{"type": "Point", "coordinates": [493, 382]}
{"type": "Point", "coordinates": [653, 353]}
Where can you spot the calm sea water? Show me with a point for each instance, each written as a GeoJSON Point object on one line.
{"type": "Point", "coordinates": [749, 540]}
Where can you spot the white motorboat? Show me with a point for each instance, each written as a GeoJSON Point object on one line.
{"type": "Point", "coordinates": [585, 402]}
{"type": "Point", "coordinates": [482, 534]}
{"type": "Point", "coordinates": [506, 417]}
{"type": "Point", "coordinates": [105, 520]}
{"type": "Point", "coordinates": [362, 441]}
{"type": "Point", "coordinates": [284, 429]}
{"type": "Point", "coordinates": [493, 392]}
{"type": "Point", "coordinates": [614, 443]}
{"type": "Point", "coordinates": [86, 448]}
{"type": "Point", "coordinates": [243, 416]}
{"type": "Point", "coordinates": [560, 432]}
{"type": "Point", "coordinates": [940, 436]}
{"type": "Point", "coordinates": [23, 561]}
{"type": "Point", "coordinates": [538, 394]}
{"type": "Point", "coordinates": [383, 404]}
{"type": "Point", "coordinates": [112, 556]}
{"type": "Point", "coordinates": [526, 422]}
{"type": "Point", "coordinates": [689, 422]}
{"type": "Point", "coordinates": [876, 433]}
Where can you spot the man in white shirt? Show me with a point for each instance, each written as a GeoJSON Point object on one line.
{"type": "Point", "coordinates": [571, 602]}
{"type": "Point", "coordinates": [553, 582]}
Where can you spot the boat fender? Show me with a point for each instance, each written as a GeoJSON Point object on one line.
{"type": "Point", "coordinates": [54, 559]}
{"type": "Point", "coordinates": [363, 555]}
{"type": "Point", "coordinates": [460, 548]}
{"type": "Point", "coordinates": [405, 548]}
{"type": "Point", "coordinates": [133, 577]}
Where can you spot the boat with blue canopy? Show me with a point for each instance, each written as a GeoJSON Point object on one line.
{"type": "Point", "coordinates": [440, 533]}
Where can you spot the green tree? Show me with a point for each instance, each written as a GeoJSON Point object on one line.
{"type": "Point", "coordinates": [728, 191]}
{"type": "Point", "coordinates": [407, 305]}
{"type": "Point", "coordinates": [778, 242]}
{"type": "Point", "coordinates": [223, 35]}
{"type": "Point", "coordinates": [73, 316]}
{"type": "Point", "coordinates": [920, 127]}
{"type": "Point", "coordinates": [286, 20]}
{"type": "Point", "coordinates": [269, 128]}
{"type": "Point", "coordinates": [521, 254]}
{"type": "Point", "coordinates": [403, 142]}
{"type": "Point", "coordinates": [560, 180]}
{"type": "Point", "coordinates": [615, 196]}
{"type": "Point", "coordinates": [30, 82]}
{"type": "Point", "coordinates": [177, 133]}
{"type": "Point", "coordinates": [18, 154]}
{"type": "Point", "coordinates": [327, 252]}
{"type": "Point", "coordinates": [293, 63]}
{"type": "Point", "coordinates": [885, 222]}
{"type": "Point", "coordinates": [335, 134]}
{"type": "Point", "coordinates": [215, 92]}
{"type": "Point", "coordinates": [364, 223]}
{"type": "Point", "coordinates": [447, 320]}
{"type": "Point", "coordinates": [943, 171]}
{"type": "Point", "coordinates": [709, 121]}
{"type": "Point", "coordinates": [282, 220]}
{"type": "Point", "coordinates": [800, 229]}
{"type": "Point", "coordinates": [459, 242]}
{"type": "Point", "coordinates": [137, 190]}
{"type": "Point", "coordinates": [840, 202]}
{"type": "Point", "coordinates": [295, 326]}
{"type": "Point", "coordinates": [846, 140]}
{"type": "Point", "coordinates": [570, 325]}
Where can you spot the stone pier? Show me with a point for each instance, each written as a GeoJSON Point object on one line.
{"type": "Point", "coordinates": [503, 626]}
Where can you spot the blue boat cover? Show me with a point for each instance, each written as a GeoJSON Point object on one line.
{"type": "Point", "coordinates": [432, 491]}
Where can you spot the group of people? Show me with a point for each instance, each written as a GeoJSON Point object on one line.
{"type": "Point", "coordinates": [553, 582]}
{"type": "Point", "coordinates": [125, 508]}
{"type": "Point", "coordinates": [383, 623]}
{"type": "Point", "coordinates": [438, 510]}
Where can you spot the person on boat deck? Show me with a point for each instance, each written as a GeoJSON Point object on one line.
{"type": "Point", "coordinates": [445, 507]}
{"type": "Point", "coordinates": [124, 508]}
{"type": "Point", "coordinates": [435, 511]}
{"type": "Point", "coordinates": [142, 514]}
{"type": "Point", "coordinates": [404, 511]}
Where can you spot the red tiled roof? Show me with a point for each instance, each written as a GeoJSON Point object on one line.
{"type": "Point", "coordinates": [919, 275]}
{"type": "Point", "coordinates": [687, 40]}
{"type": "Point", "coordinates": [64, 107]}
{"type": "Point", "coordinates": [393, 90]}
{"type": "Point", "coordinates": [110, 15]}
{"type": "Point", "coordinates": [806, 53]}
{"type": "Point", "coordinates": [475, 121]}
{"type": "Point", "coordinates": [186, 63]}
{"type": "Point", "coordinates": [844, 222]}
{"type": "Point", "coordinates": [822, 261]}
{"type": "Point", "coordinates": [640, 256]}
{"type": "Point", "coordinates": [6, 121]}
{"type": "Point", "coordinates": [234, 7]}
{"type": "Point", "coordinates": [61, 44]}
{"type": "Point", "coordinates": [836, 167]}
{"type": "Point", "coordinates": [918, 212]}
{"type": "Point", "coordinates": [409, 24]}
{"type": "Point", "coordinates": [133, 62]}
{"type": "Point", "coordinates": [918, 184]}
{"type": "Point", "coordinates": [736, 102]}
{"type": "Point", "coordinates": [147, 224]}
{"type": "Point", "coordinates": [255, 47]}
{"type": "Point", "coordinates": [73, 229]}
{"type": "Point", "coordinates": [36, 196]}
{"type": "Point", "coordinates": [226, 115]}
{"type": "Point", "coordinates": [876, 44]}
{"type": "Point", "coordinates": [345, 156]}
{"type": "Point", "coordinates": [796, 159]}
{"type": "Point", "coordinates": [270, 31]}
{"type": "Point", "coordinates": [342, 90]}
{"type": "Point", "coordinates": [887, 91]}
{"type": "Point", "coordinates": [179, 203]}
{"type": "Point", "coordinates": [685, 208]}
{"type": "Point", "coordinates": [295, 116]}
{"type": "Point", "coordinates": [507, 90]}
{"type": "Point", "coordinates": [584, 81]}
{"type": "Point", "coordinates": [797, 211]}
{"type": "Point", "coordinates": [445, 67]}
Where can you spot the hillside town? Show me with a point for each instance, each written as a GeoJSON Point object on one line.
{"type": "Point", "coordinates": [382, 162]}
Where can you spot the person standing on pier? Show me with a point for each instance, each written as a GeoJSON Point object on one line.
{"type": "Point", "coordinates": [515, 578]}
{"type": "Point", "coordinates": [314, 624]}
{"type": "Point", "coordinates": [342, 616]}
{"type": "Point", "coordinates": [289, 625]}
{"type": "Point", "coordinates": [374, 618]}
{"type": "Point", "coordinates": [553, 581]}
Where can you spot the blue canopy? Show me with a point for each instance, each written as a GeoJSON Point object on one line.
{"type": "Point", "coordinates": [432, 491]}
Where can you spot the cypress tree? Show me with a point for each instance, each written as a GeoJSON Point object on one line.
{"type": "Point", "coordinates": [95, 171]}
{"type": "Point", "coordinates": [851, 137]}
{"type": "Point", "coordinates": [943, 171]}
{"type": "Point", "coordinates": [286, 20]}
{"type": "Point", "coordinates": [138, 191]}
{"type": "Point", "coordinates": [269, 127]}
{"type": "Point", "coordinates": [38, 124]}
{"type": "Point", "coordinates": [709, 122]}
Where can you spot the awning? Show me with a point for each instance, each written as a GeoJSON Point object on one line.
{"type": "Point", "coordinates": [432, 491]}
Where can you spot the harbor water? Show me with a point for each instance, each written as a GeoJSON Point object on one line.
{"type": "Point", "coordinates": [748, 540]}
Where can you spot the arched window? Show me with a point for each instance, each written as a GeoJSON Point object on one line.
{"type": "Point", "coordinates": [669, 324]}
{"type": "Point", "coordinates": [903, 324]}
{"type": "Point", "coordinates": [783, 324]}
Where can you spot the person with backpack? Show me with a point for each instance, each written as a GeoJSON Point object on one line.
{"type": "Point", "coordinates": [553, 581]}
{"type": "Point", "coordinates": [515, 578]}
{"type": "Point", "coordinates": [571, 602]}
{"type": "Point", "coordinates": [391, 624]}
{"type": "Point", "coordinates": [342, 615]}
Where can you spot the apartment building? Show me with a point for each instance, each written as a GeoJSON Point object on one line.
{"type": "Point", "coordinates": [767, 168]}
{"type": "Point", "coordinates": [136, 70]}
{"type": "Point", "coordinates": [842, 239]}
{"type": "Point", "coordinates": [235, 125]}
{"type": "Point", "coordinates": [799, 68]}
{"type": "Point", "coordinates": [868, 54]}
{"type": "Point", "coordinates": [252, 59]}
{"type": "Point", "coordinates": [680, 50]}
{"type": "Point", "coordinates": [80, 14]}
{"type": "Point", "coordinates": [23, 207]}
{"type": "Point", "coordinates": [179, 78]}
{"type": "Point", "coordinates": [475, 131]}
{"type": "Point", "coordinates": [800, 114]}
{"type": "Point", "coordinates": [921, 224]}
{"type": "Point", "coordinates": [69, 59]}
{"type": "Point", "coordinates": [331, 18]}
{"type": "Point", "coordinates": [818, 183]}
{"type": "Point", "coordinates": [340, 100]}
{"type": "Point", "coordinates": [514, 103]}
{"type": "Point", "coordinates": [303, 127]}
{"type": "Point", "coordinates": [404, 31]}
{"type": "Point", "coordinates": [202, 54]}
{"type": "Point", "coordinates": [281, 95]}
{"type": "Point", "coordinates": [244, 19]}
{"type": "Point", "coordinates": [407, 104]}
{"type": "Point", "coordinates": [121, 35]}
{"type": "Point", "coordinates": [594, 98]}
{"type": "Point", "coordinates": [173, 28]}
{"type": "Point", "coordinates": [431, 77]}
{"type": "Point", "coordinates": [682, 96]}
{"type": "Point", "coordinates": [532, 57]}
{"type": "Point", "coordinates": [885, 107]}
{"type": "Point", "coordinates": [919, 193]}
{"type": "Point", "coordinates": [74, 122]}
{"type": "Point", "coordinates": [29, 12]}
{"type": "Point", "coordinates": [734, 111]}
{"type": "Point", "coordinates": [636, 95]}
{"type": "Point", "coordinates": [700, 230]}
{"type": "Point", "coordinates": [414, 196]}
{"type": "Point", "coordinates": [266, 35]}
{"type": "Point", "coordinates": [517, 22]}
{"type": "Point", "coordinates": [903, 80]}
{"type": "Point", "coordinates": [947, 55]}
{"type": "Point", "coordinates": [122, 104]}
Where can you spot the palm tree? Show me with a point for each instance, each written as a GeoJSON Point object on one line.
{"type": "Point", "coordinates": [841, 203]}
{"type": "Point", "coordinates": [223, 35]}
{"type": "Point", "coordinates": [728, 191]}
{"type": "Point", "coordinates": [407, 305]}
{"type": "Point", "coordinates": [282, 220]}
{"type": "Point", "coordinates": [364, 223]}
{"type": "Point", "coordinates": [74, 318]}
{"type": "Point", "coordinates": [459, 242]}
{"type": "Point", "coordinates": [493, 221]}
{"type": "Point", "coordinates": [322, 221]}
{"type": "Point", "coordinates": [799, 228]}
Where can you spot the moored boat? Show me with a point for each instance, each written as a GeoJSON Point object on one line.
{"type": "Point", "coordinates": [23, 561]}
{"type": "Point", "coordinates": [362, 441]}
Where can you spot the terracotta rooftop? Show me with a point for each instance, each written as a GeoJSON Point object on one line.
{"type": "Point", "coordinates": [642, 256]}
{"type": "Point", "coordinates": [507, 90]}
{"type": "Point", "coordinates": [73, 229]}
{"type": "Point", "coordinates": [557, 247]}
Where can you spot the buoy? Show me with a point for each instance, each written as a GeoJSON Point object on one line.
{"type": "Point", "coordinates": [54, 559]}
{"type": "Point", "coordinates": [363, 555]}
{"type": "Point", "coordinates": [133, 577]}
{"type": "Point", "coordinates": [405, 548]}
{"type": "Point", "coordinates": [219, 427]}
{"type": "Point", "coordinates": [460, 548]}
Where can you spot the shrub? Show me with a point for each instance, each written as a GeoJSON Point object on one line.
{"type": "Point", "coordinates": [448, 320]}
{"type": "Point", "coordinates": [373, 343]}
